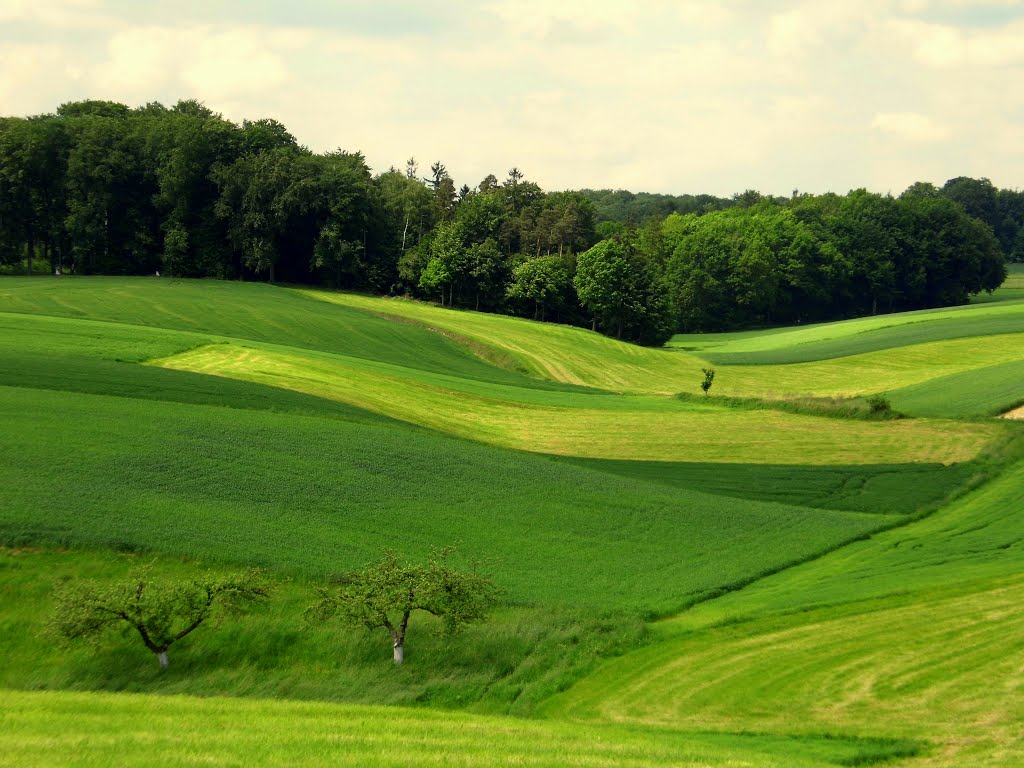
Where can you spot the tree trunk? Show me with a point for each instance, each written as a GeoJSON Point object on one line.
{"type": "Point", "coordinates": [593, 323]}
{"type": "Point", "coordinates": [399, 654]}
{"type": "Point", "coordinates": [271, 273]}
{"type": "Point", "coordinates": [162, 658]}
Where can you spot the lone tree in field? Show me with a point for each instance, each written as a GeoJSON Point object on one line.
{"type": "Point", "coordinates": [384, 595]}
{"type": "Point", "coordinates": [709, 378]}
{"type": "Point", "coordinates": [161, 611]}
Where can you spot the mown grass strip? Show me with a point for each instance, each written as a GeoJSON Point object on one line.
{"type": "Point", "coordinates": [643, 428]}
{"type": "Point", "coordinates": [871, 372]}
{"type": "Point", "coordinates": [52, 729]}
{"type": "Point", "coordinates": [940, 668]}
{"type": "Point", "coordinates": [250, 311]}
{"type": "Point", "coordinates": [849, 337]}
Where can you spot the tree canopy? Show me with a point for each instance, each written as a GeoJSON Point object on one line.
{"type": "Point", "coordinates": [161, 611]}
{"type": "Point", "coordinates": [384, 595]}
{"type": "Point", "coordinates": [102, 188]}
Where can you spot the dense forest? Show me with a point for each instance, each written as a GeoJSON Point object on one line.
{"type": "Point", "coordinates": [101, 188]}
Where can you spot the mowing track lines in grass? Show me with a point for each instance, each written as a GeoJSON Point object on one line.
{"type": "Point", "coordinates": [43, 729]}
{"type": "Point", "coordinates": [943, 669]}
{"type": "Point", "coordinates": [872, 371]}
{"type": "Point", "coordinates": [559, 352]}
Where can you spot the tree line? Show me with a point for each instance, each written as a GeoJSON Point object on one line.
{"type": "Point", "coordinates": [101, 188]}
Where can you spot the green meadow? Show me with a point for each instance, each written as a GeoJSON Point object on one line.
{"type": "Point", "coordinates": [765, 576]}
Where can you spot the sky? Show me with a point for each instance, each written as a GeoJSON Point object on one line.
{"type": "Point", "coordinates": [674, 96]}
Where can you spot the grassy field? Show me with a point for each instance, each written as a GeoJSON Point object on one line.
{"type": "Point", "coordinates": [914, 632]}
{"type": "Point", "coordinates": [830, 589]}
{"type": "Point", "coordinates": [942, 668]}
{"type": "Point", "coordinates": [46, 729]}
{"type": "Point", "coordinates": [614, 427]}
{"type": "Point", "coordinates": [851, 337]}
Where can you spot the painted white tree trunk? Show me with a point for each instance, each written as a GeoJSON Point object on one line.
{"type": "Point", "coordinates": [399, 653]}
{"type": "Point", "coordinates": [162, 658]}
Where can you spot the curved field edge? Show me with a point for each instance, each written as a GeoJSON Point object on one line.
{"type": "Point", "coordinates": [858, 336]}
{"type": "Point", "coordinates": [976, 537]}
{"type": "Point", "coordinates": [913, 632]}
{"type": "Point", "coordinates": [254, 312]}
{"type": "Point", "coordinates": [547, 350]}
{"type": "Point", "coordinates": [44, 729]}
{"type": "Point", "coordinates": [315, 496]}
{"type": "Point", "coordinates": [962, 341]}
{"type": "Point", "coordinates": [597, 427]}
{"type": "Point", "coordinates": [939, 667]}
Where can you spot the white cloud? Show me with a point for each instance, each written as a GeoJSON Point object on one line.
{"type": "Point", "coordinates": [22, 91]}
{"type": "Point", "coordinates": [665, 95]}
{"type": "Point", "coordinates": [910, 126]}
{"type": "Point", "coordinates": [211, 63]}
{"type": "Point", "coordinates": [57, 13]}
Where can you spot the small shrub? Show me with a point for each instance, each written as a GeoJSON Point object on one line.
{"type": "Point", "coordinates": [879, 405]}
{"type": "Point", "coordinates": [709, 378]}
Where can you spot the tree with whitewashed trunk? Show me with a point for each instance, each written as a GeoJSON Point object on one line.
{"type": "Point", "coordinates": [383, 595]}
{"type": "Point", "coordinates": [161, 611]}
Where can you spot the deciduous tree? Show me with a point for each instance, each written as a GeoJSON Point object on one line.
{"type": "Point", "coordinates": [161, 611]}
{"type": "Point", "coordinates": [384, 595]}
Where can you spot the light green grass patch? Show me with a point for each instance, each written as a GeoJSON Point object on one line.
{"type": "Point", "coordinates": [546, 350]}
{"type": "Point", "coordinates": [942, 668]}
{"type": "Point", "coordinates": [636, 427]}
{"type": "Point", "coordinates": [851, 337]}
{"type": "Point", "coordinates": [870, 372]}
{"type": "Point", "coordinates": [45, 729]}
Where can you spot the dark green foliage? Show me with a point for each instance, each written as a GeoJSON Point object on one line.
{"type": "Point", "coordinates": [623, 293]}
{"type": "Point", "coordinates": [709, 379]}
{"type": "Point", "coordinates": [161, 611]}
{"type": "Point", "coordinates": [879, 404]}
{"type": "Point", "coordinates": [542, 282]}
{"type": "Point", "coordinates": [631, 209]}
{"type": "Point", "coordinates": [104, 189]}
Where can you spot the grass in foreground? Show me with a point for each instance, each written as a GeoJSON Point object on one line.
{"type": "Point", "coordinates": [44, 729]}
{"type": "Point", "coordinates": [506, 664]}
{"type": "Point", "coordinates": [940, 668]}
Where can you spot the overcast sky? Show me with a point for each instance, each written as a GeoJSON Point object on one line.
{"type": "Point", "coordinates": [658, 95]}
